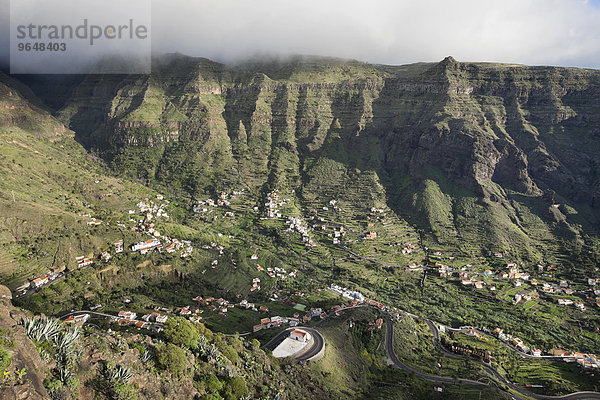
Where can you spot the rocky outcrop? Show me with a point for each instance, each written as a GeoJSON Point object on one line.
{"type": "Point", "coordinates": [24, 356]}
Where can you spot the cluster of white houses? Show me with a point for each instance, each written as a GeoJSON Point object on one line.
{"type": "Point", "coordinates": [277, 272]}
{"type": "Point", "coordinates": [153, 321]}
{"type": "Point", "coordinates": [94, 222]}
{"type": "Point", "coordinates": [518, 278]}
{"type": "Point", "coordinates": [78, 319]}
{"type": "Point", "coordinates": [168, 244]}
{"type": "Point", "coordinates": [220, 305]}
{"type": "Point", "coordinates": [223, 200]}
{"type": "Point", "coordinates": [172, 246]}
{"type": "Point", "coordinates": [338, 233]}
{"type": "Point", "coordinates": [515, 341]}
{"type": "Point", "coordinates": [272, 205]}
{"type": "Point", "coordinates": [149, 210]}
{"type": "Point", "coordinates": [255, 284]}
{"type": "Point", "coordinates": [298, 224]}
{"type": "Point", "coordinates": [587, 361]}
{"type": "Point", "coordinates": [337, 310]}
{"type": "Point", "coordinates": [347, 294]}
{"type": "Point", "coordinates": [40, 281]}
{"type": "Point", "coordinates": [275, 322]}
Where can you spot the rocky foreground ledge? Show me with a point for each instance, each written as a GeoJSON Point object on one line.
{"type": "Point", "coordinates": [23, 378]}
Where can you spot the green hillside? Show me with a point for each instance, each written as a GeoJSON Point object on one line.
{"type": "Point", "coordinates": [279, 178]}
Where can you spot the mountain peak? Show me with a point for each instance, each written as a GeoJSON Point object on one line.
{"type": "Point", "coordinates": [449, 61]}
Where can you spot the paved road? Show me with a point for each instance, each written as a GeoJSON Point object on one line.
{"type": "Point", "coordinates": [316, 347]}
{"type": "Point", "coordinates": [98, 314]}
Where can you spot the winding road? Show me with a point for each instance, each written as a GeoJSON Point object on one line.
{"type": "Point", "coordinates": [389, 334]}
{"type": "Point", "coordinates": [389, 348]}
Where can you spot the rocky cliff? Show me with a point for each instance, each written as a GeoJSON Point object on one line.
{"type": "Point", "coordinates": [507, 153]}
{"type": "Point", "coordinates": [23, 378]}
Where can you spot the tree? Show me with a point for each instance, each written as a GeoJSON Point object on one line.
{"type": "Point", "coordinates": [181, 332]}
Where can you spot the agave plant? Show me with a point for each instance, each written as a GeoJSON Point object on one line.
{"type": "Point", "coordinates": [67, 345]}
{"type": "Point", "coordinates": [41, 328]}
{"type": "Point", "coordinates": [67, 357]}
{"type": "Point", "coordinates": [122, 344]}
{"type": "Point", "coordinates": [146, 356]}
{"type": "Point", "coordinates": [212, 352]}
{"type": "Point", "coordinates": [203, 348]}
{"type": "Point", "coordinates": [69, 338]}
{"type": "Point", "coordinates": [118, 374]}
{"type": "Point", "coordinates": [45, 356]}
{"type": "Point", "coordinates": [64, 374]}
{"type": "Point", "coordinates": [228, 372]}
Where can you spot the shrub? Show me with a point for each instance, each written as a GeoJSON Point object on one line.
{"type": "Point", "coordinates": [229, 352]}
{"type": "Point", "coordinates": [211, 396]}
{"type": "Point", "coordinates": [238, 387]}
{"type": "Point", "coordinates": [212, 383]}
{"type": "Point", "coordinates": [5, 358]}
{"type": "Point", "coordinates": [170, 358]}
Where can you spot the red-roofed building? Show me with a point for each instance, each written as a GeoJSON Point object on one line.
{"type": "Point", "coordinates": [300, 335]}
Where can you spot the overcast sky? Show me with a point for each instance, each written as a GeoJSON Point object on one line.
{"type": "Point", "coordinates": [549, 32]}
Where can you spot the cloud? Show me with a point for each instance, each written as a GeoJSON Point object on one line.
{"type": "Point", "coordinates": [562, 32]}
{"type": "Point", "coordinates": [549, 32]}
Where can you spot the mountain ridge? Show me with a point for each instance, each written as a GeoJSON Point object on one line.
{"type": "Point", "coordinates": [489, 128]}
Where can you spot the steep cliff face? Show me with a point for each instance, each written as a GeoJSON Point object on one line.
{"type": "Point", "coordinates": [24, 356]}
{"type": "Point", "coordinates": [482, 142]}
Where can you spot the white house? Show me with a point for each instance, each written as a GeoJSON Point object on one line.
{"type": "Point", "coordinates": [300, 335]}
{"type": "Point", "coordinates": [146, 246]}
{"type": "Point", "coordinates": [127, 315]}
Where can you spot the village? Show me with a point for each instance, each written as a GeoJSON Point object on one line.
{"type": "Point", "coordinates": [518, 279]}
{"type": "Point", "coordinates": [467, 276]}
{"type": "Point", "coordinates": [149, 212]}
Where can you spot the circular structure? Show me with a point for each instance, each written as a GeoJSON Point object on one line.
{"type": "Point", "coordinates": [301, 343]}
